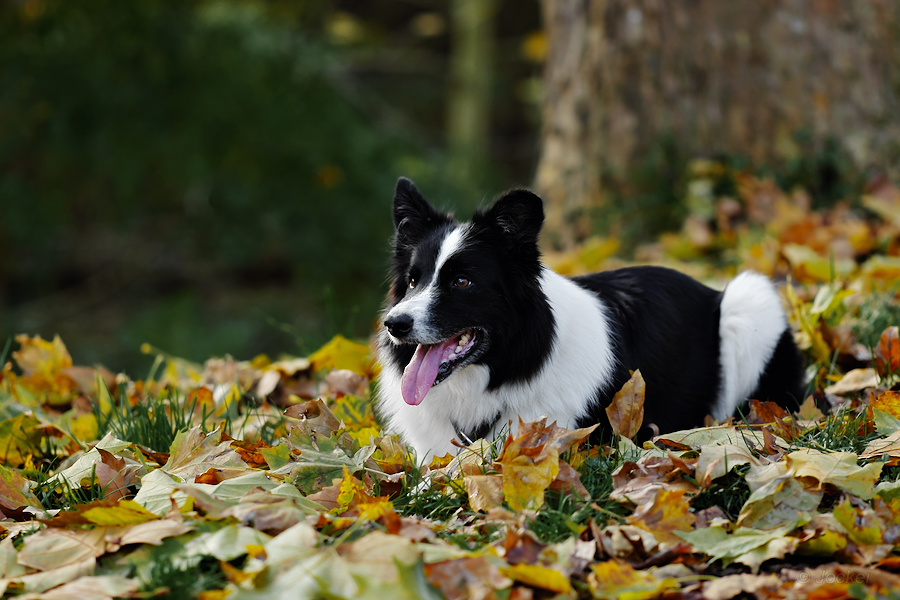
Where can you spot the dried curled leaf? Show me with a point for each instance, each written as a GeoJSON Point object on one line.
{"type": "Point", "coordinates": [626, 411]}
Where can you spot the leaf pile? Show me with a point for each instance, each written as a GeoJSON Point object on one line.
{"type": "Point", "coordinates": [272, 478]}
{"type": "Point", "coordinates": [321, 503]}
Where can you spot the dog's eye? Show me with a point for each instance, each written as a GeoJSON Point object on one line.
{"type": "Point", "coordinates": [461, 282]}
{"type": "Point", "coordinates": [412, 282]}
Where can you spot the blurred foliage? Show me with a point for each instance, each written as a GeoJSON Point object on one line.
{"type": "Point", "coordinates": [213, 173]}
{"type": "Point", "coordinates": [656, 196]}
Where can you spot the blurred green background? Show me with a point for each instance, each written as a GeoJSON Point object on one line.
{"type": "Point", "coordinates": [215, 177]}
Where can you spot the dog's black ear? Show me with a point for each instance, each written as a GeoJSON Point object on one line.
{"type": "Point", "coordinates": [519, 214]}
{"type": "Point", "coordinates": [413, 214]}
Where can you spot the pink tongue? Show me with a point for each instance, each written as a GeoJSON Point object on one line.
{"type": "Point", "coordinates": [422, 370]}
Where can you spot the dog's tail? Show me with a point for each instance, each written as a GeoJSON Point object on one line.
{"type": "Point", "coordinates": [751, 323]}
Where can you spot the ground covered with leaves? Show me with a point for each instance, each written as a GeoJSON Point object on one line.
{"type": "Point", "coordinates": [272, 478]}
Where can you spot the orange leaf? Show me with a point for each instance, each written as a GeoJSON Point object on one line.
{"type": "Point", "coordinates": [887, 353]}
{"type": "Point", "coordinates": [888, 402]}
{"type": "Point", "coordinates": [668, 512]}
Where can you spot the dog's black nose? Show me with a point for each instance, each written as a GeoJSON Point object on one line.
{"type": "Point", "coordinates": [399, 326]}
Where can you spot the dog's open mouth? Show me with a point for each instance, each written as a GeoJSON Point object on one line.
{"type": "Point", "coordinates": [433, 363]}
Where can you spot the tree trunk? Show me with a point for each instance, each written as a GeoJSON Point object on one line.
{"type": "Point", "coordinates": [471, 76]}
{"type": "Point", "coordinates": [740, 78]}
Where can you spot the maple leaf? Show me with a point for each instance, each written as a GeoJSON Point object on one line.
{"type": "Point", "coordinates": [854, 381]}
{"type": "Point", "coordinates": [732, 586]}
{"type": "Point", "coordinates": [341, 353]}
{"type": "Point", "coordinates": [473, 577]}
{"type": "Point", "coordinates": [667, 513]}
{"type": "Point", "coordinates": [44, 364]}
{"type": "Point", "coordinates": [626, 542]}
{"type": "Point", "coordinates": [626, 411]}
{"type": "Point", "coordinates": [883, 447]}
{"type": "Point", "coordinates": [485, 491]}
{"type": "Point", "coordinates": [778, 501]}
{"type": "Point", "coordinates": [887, 352]}
{"type": "Point", "coordinates": [839, 469]}
{"type": "Point", "coordinates": [93, 587]}
{"type": "Point", "coordinates": [888, 402]}
{"type": "Point", "coordinates": [15, 492]}
{"type": "Point", "coordinates": [774, 415]}
{"type": "Point", "coordinates": [745, 545]}
{"type": "Point", "coordinates": [530, 461]}
{"type": "Point", "coordinates": [638, 482]}
{"type": "Point", "coordinates": [717, 460]}
{"type": "Point", "coordinates": [539, 576]}
{"type": "Point", "coordinates": [617, 580]}
{"type": "Point", "coordinates": [20, 438]}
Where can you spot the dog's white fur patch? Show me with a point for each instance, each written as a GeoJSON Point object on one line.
{"type": "Point", "coordinates": [452, 243]}
{"type": "Point", "coordinates": [580, 362]}
{"type": "Point", "coordinates": [751, 323]}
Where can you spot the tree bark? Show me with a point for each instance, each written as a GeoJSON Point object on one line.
{"type": "Point", "coordinates": [740, 78]}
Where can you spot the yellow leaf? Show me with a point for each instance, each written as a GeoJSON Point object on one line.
{"type": "Point", "coordinates": [372, 511]}
{"type": "Point", "coordinates": [881, 272]}
{"type": "Point", "coordinates": [128, 512]}
{"type": "Point", "coordinates": [863, 526]}
{"type": "Point", "coordinates": [37, 356]}
{"type": "Point", "coordinates": [530, 461]}
{"type": "Point", "coordinates": [540, 577]}
{"type": "Point", "coordinates": [888, 402]}
{"type": "Point", "coordinates": [84, 427]}
{"type": "Point", "coordinates": [44, 378]}
{"type": "Point", "coordinates": [626, 411]}
{"type": "Point", "coordinates": [824, 543]}
{"type": "Point", "coordinates": [809, 411]}
{"type": "Point", "coordinates": [525, 480]}
{"type": "Point", "coordinates": [19, 439]}
{"type": "Point", "coordinates": [620, 581]}
{"type": "Point", "coordinates": [341, 353]}
{"type": "Point", "coordinates": [809, 266]}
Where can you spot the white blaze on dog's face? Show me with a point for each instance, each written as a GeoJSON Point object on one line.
{"type": "Point", "coordinates": [423, 283]}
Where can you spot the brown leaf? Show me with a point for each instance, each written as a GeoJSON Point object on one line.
{"type": "Point", "coordinates": [626, 411]}
{"type": "Point", "coordinates": [522, 547]}
{"type": "Point", "coordinates": [485, 491]}
{"type": "Point", "coordinates": [14, 491]}
{"type": "Point", "coordinates": [627, 542]}
{"type": "Point", "coordinates": [467, 578]}
{"type": "Point", "coordinates": [315, 417]}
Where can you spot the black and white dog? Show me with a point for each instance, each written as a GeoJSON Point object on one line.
{"type": "Point", "coordinates": [477, 333]}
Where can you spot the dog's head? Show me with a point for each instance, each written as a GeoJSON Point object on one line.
{"type": "Point", "coordinates": [454, 285]}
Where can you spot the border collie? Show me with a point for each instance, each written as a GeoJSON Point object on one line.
{"type": "Point", "coordinates": [477, 333]}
